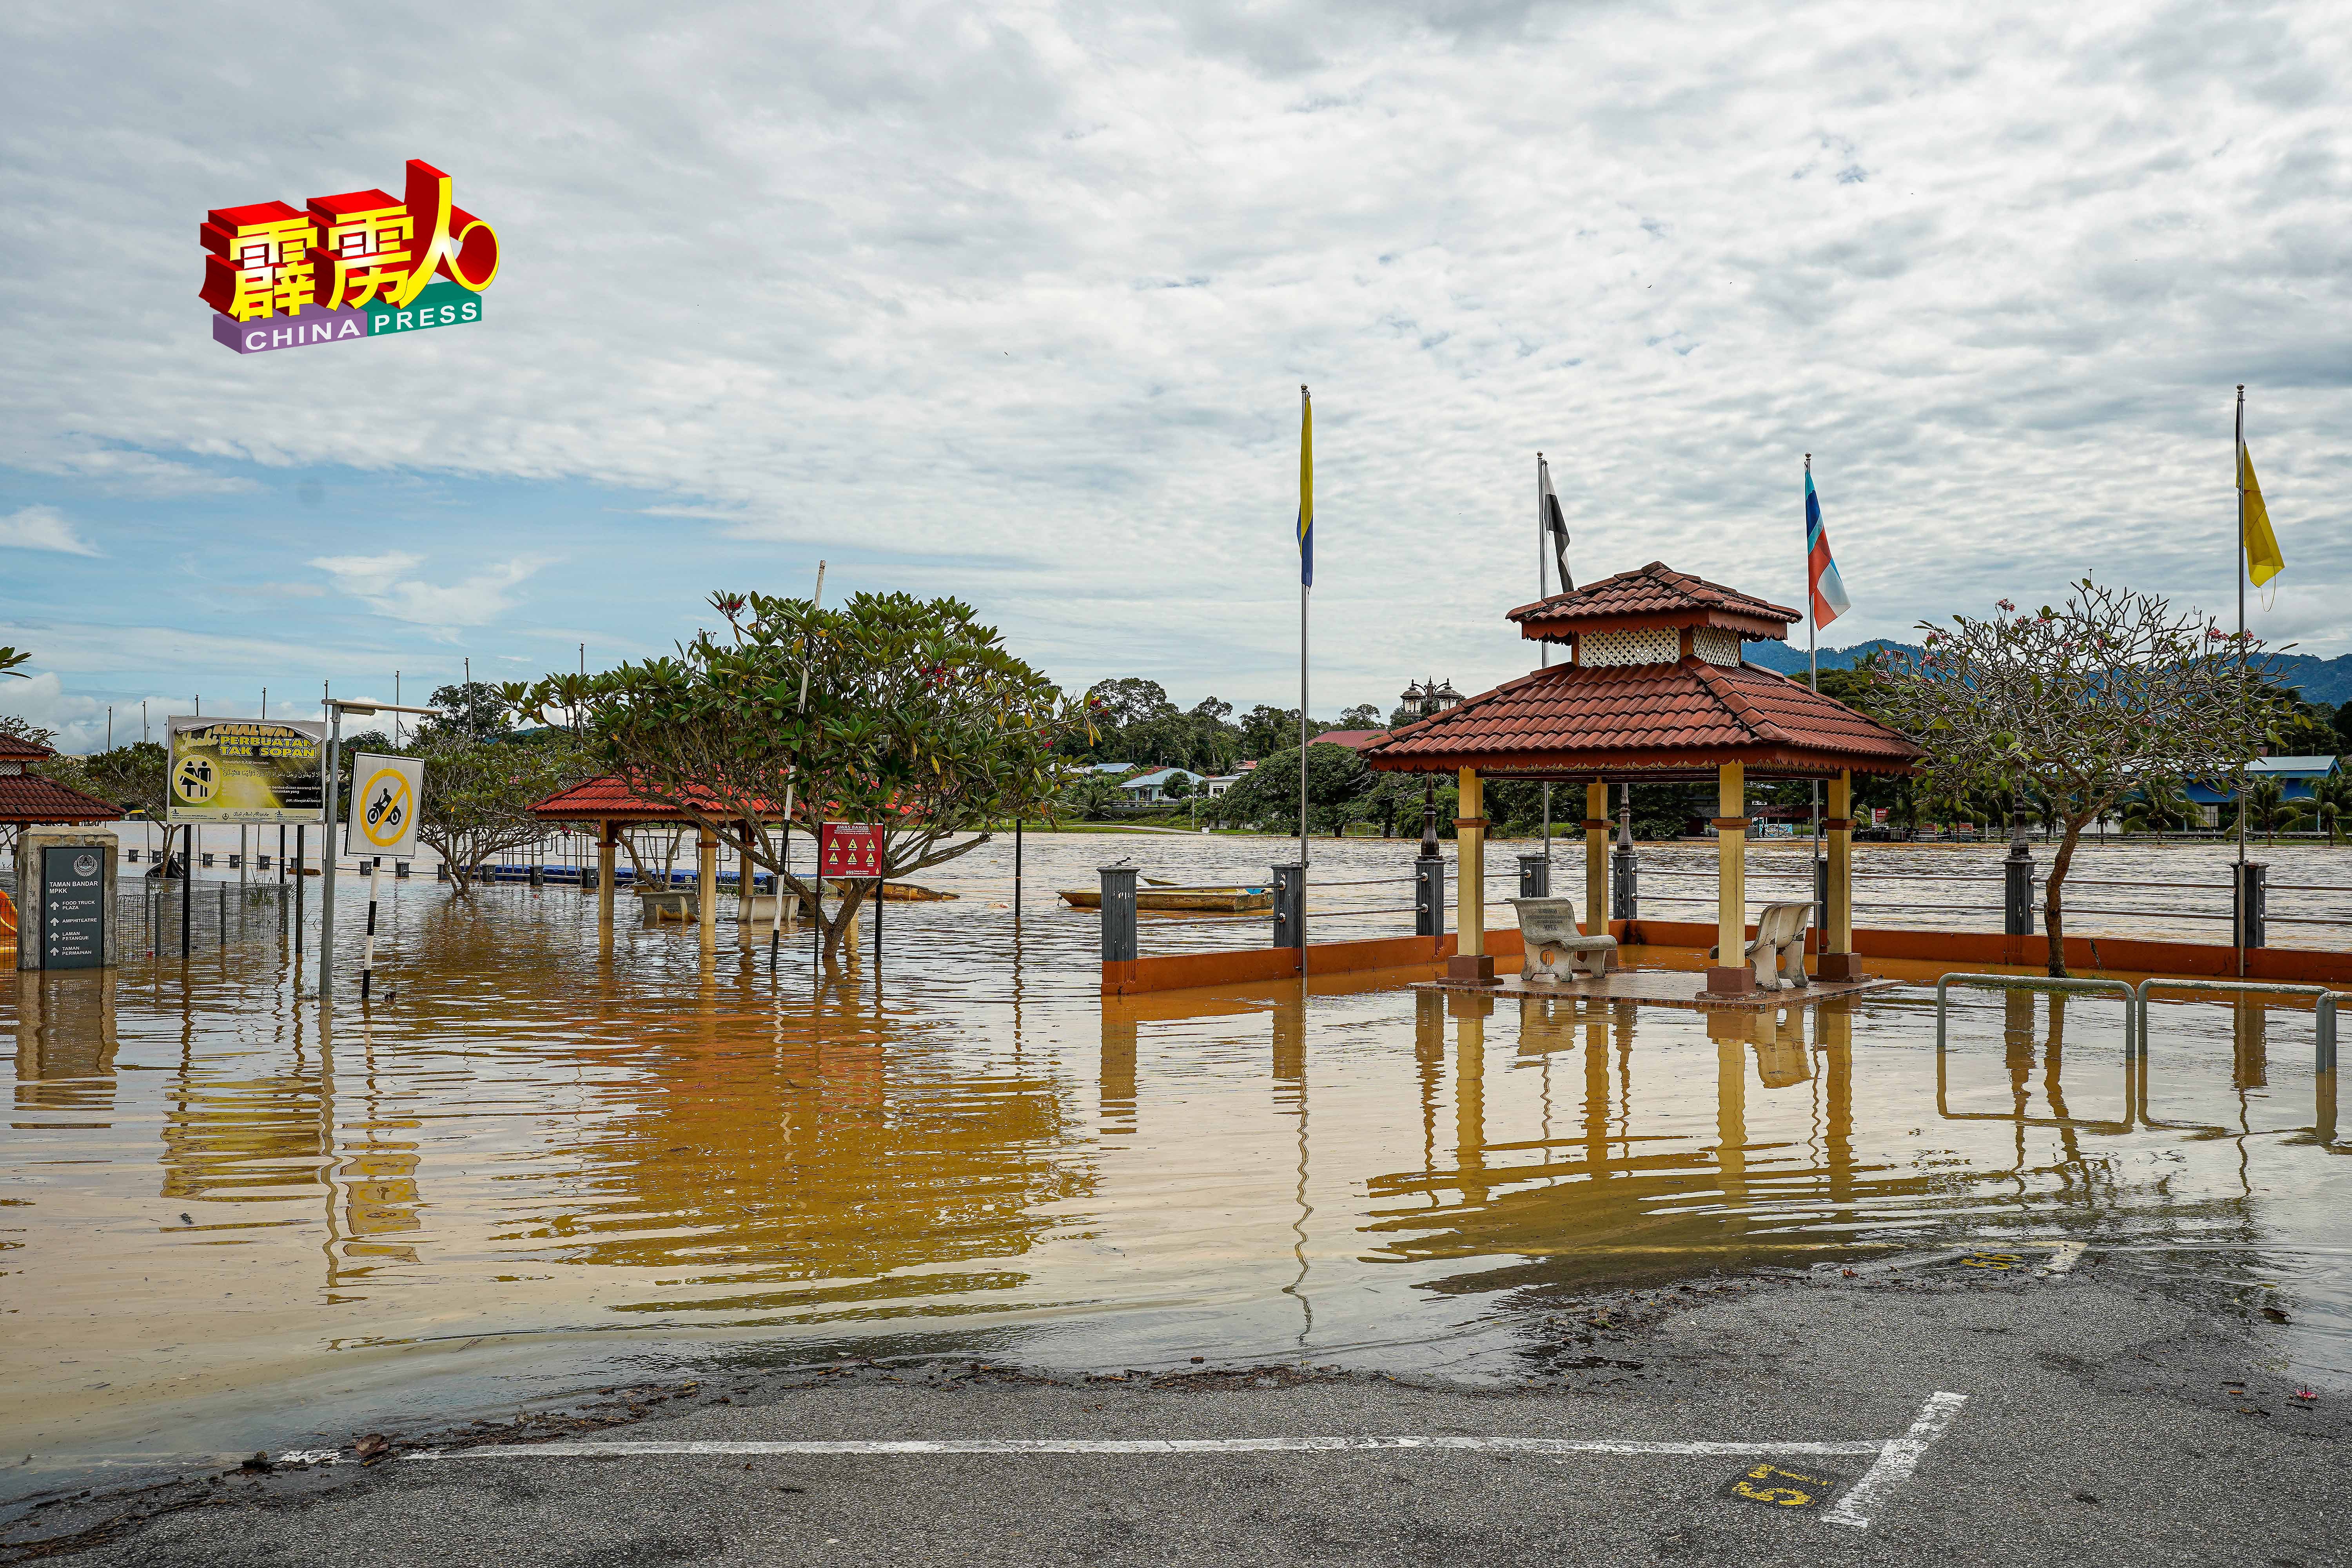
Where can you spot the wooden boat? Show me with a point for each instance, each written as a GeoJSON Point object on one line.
{"type": "Point", "coordinates": [1163, 895]}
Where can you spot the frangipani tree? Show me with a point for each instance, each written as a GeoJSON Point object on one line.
{"type": "Point", "coordinates": [2112, 693]}
{"type": "Point", "coordinates": [914, 719]}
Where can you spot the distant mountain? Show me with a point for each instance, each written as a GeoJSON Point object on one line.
{"type": "Point", "coordinates": [2324, 680]}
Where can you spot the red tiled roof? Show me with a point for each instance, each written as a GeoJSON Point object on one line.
{"type": "Point", "coordinates": [1656, 595]}
{"type": "Point", "coordinates": [29, 797]}
{"type": "Point", "coordinates": [1576, 719]}
{"type": "Point", "coordinates": [15, 747]}
{"type": "Point", "coordinates": [1354, 740]}
{"type": "Point", "coordinates": [611, 795]}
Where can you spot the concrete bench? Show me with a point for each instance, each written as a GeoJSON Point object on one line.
{"type": "Point", "coordinates": [1555, 950]}
{"type": "Point", "coordinates": [1778, 950]}
{"type": "Point", "coordinates": [659, 904]}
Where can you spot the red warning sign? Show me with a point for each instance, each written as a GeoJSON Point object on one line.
{"type": "Point", "coordinates": [850, 849]}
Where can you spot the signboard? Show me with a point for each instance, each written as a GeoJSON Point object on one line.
{"type": "Point", "coordinates": [73, 906]}
{"type": "Point", "coordinates": [359, 265]}
{"type": "Point", "coordinates": [245, 770]}
{"type": "Point", "coordinates": [385, 796]}
{"type": "Point", "coordinates": [849, 850]}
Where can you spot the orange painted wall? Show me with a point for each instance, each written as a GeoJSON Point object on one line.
{"type": "Point", "coordinates": [1957, 950]}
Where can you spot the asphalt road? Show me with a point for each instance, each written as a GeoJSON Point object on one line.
{"type": "Point", "coordinates": [2113, 1416]}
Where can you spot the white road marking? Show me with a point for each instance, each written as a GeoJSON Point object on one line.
{"type": "Point", "coordinates": [1896, 1462]}
{"type": "Point", "coordinates": [1141, 1446]}
{"type": "Point", "coordinates": [1893, 1459]}
{"type": "Point", "coordinates": [2064, 1256]}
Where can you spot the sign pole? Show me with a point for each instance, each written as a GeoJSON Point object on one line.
{"type": "Point", "coordinates": [188, 881]}
{"type": "Point", "coordinates": [329, 856]}
{"type": "Point", "coordinates": [367, 953]}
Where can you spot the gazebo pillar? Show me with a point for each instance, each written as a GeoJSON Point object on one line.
{"type": "Point", "coordinates": [1838, 961]}
{"type": "Point", "coordinates": [706, 890]}
{"type": "Point", "coordinates": [1596, 858]}
{"type": "Point", "coordinates": [1470, 961]}
{"type": "Point", "coordinates": [1730, 975]}
{"type": "Point", "coordinates": [608, 844]}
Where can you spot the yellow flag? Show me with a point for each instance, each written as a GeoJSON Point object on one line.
{"type": "Point", "coordinates": [2263, 561]}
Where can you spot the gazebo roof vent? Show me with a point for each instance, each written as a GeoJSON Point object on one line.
{"type": "Point", "coordinates": [1650, 616]}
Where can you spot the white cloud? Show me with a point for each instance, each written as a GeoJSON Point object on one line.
{"type": "Point", "coordinates": [1014, 304]}
{"type": "Point", "coordinates": [42, 528]}
{"type": "Point", "coordinates": [441, 607]}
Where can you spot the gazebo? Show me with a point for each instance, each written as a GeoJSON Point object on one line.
{"type": "Point", "coordinates": [1655, 691]}
{"type": "Point", "coordinates": [612, 804]}
{"type": "Point", "coordinates": [30, 800]}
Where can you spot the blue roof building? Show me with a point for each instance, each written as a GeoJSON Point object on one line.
{"type": "Point", "coordinates": [2298, 777]}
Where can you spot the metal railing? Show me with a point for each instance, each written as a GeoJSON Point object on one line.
{"type": "Point", "coordinates": [2120, 989]}
{"type": "Point", "coordinates": [2238, 988]}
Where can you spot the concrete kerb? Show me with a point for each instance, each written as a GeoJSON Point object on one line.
{"type": "Point", "coordinates": [1893, 1459]}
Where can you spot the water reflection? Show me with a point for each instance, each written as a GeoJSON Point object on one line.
{"type": "Point", "coordinates": [524, 1134]}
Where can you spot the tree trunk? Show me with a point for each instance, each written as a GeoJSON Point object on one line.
{"type": "Point", "coordinates": [2054, 914]}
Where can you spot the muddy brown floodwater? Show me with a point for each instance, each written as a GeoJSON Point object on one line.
{"type": "Point", "coordinates": [530, 1166]}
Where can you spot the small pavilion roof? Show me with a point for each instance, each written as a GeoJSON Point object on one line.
{"type": "Point", "coordinates": [16, 749]}
{"type": "Point", "coordinates": [610, 798]}
{"type": "Point", "coordinates": [1645, 721]}
{"type": "Point", "coordinates": [28, 798]}
{"type": "Point", "coordinates": [1653, 595]}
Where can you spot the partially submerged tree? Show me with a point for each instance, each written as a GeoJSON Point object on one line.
{"type": "Point", "coordinates": [2111, 693]}
{"type": "Point", "coordinates": [916, 720]}
{"type": "Point", "coordinates": [478, 794]}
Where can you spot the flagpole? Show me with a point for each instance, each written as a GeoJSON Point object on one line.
{"type": "Point", "coordinates": [2238, 480]}
{"type": "Point", "coordinates": [1305, 581]}
{"type": "Point", "coordinates": [1813, 674]}
{"type": "Point", "coordinates": [1543, 651]}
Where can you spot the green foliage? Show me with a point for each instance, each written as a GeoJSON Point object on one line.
{"type": "Point", "coordinates": [1338, 785]}
{"type": "Point", "coordinates": [478, 794]}
{"type": "Point", "coordinates": [1091, 796]}
{"type": "Point", "coordinates": [10, 657]}
{"type": "Point", "coordinates": [2267, 810]}
{"type": "Point", "coordinates": [915, 717]}
{"type": "Point", "coordinates": [131, 776]}
{"type": "Point", "coordinates": [473, 709]}
{"type": "Point", "coordinates": [2078, 706]}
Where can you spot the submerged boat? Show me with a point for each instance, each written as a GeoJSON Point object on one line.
{"type": "Point", "coordinates": [1230, 900]}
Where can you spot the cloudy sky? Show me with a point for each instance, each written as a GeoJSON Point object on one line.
{"type": "Point", "coordinates": [1015, 303]}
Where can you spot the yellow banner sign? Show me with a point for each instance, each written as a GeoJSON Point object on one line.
{"type": "Point", "coordinates": [245, 770]}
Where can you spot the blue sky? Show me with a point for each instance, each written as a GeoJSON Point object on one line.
{"type": "Point", "coordinates": [1014, 304]}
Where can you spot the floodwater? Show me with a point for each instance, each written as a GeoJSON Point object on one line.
{"type": "Point", "coordinates": [527, 1164]}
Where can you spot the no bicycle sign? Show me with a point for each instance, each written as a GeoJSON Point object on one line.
{"type": "Point", "coordinates": [849, 850]}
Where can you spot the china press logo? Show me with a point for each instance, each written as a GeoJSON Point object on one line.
{"type": "Point", "coordinates": [358, 265]}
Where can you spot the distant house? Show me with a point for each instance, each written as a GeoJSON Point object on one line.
{"type": "Point", "coordinates": [2298, 778]}
{"type": "Point", "coordinates": [1354, 740]}
{"type": "Point", "coordinates": [1151, 788]}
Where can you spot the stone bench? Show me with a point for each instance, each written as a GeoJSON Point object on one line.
{"type": "Point", "coordinates": [1779, 949]}
{"type": "Point", "coordinates": [1555, 949]}
{"type": "Point", "coordinates": [659, 904]}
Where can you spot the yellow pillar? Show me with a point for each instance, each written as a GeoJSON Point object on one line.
{"type": "Point", "coordinates": [1596, 859]}
{"type": "Point", "coordinates": [1837, 960]}
{"type": "Point", "coordinates": [706, 890]}
{"type": "Point", "coordinates": [1729, 972]}
{"type": "Point", "coordinates": [1470, 961]}
{"type": "Point", "coordinates": [607, 854]}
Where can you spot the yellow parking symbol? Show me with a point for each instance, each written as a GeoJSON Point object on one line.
{"type": "Point", "coordinates": [385, 808]}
